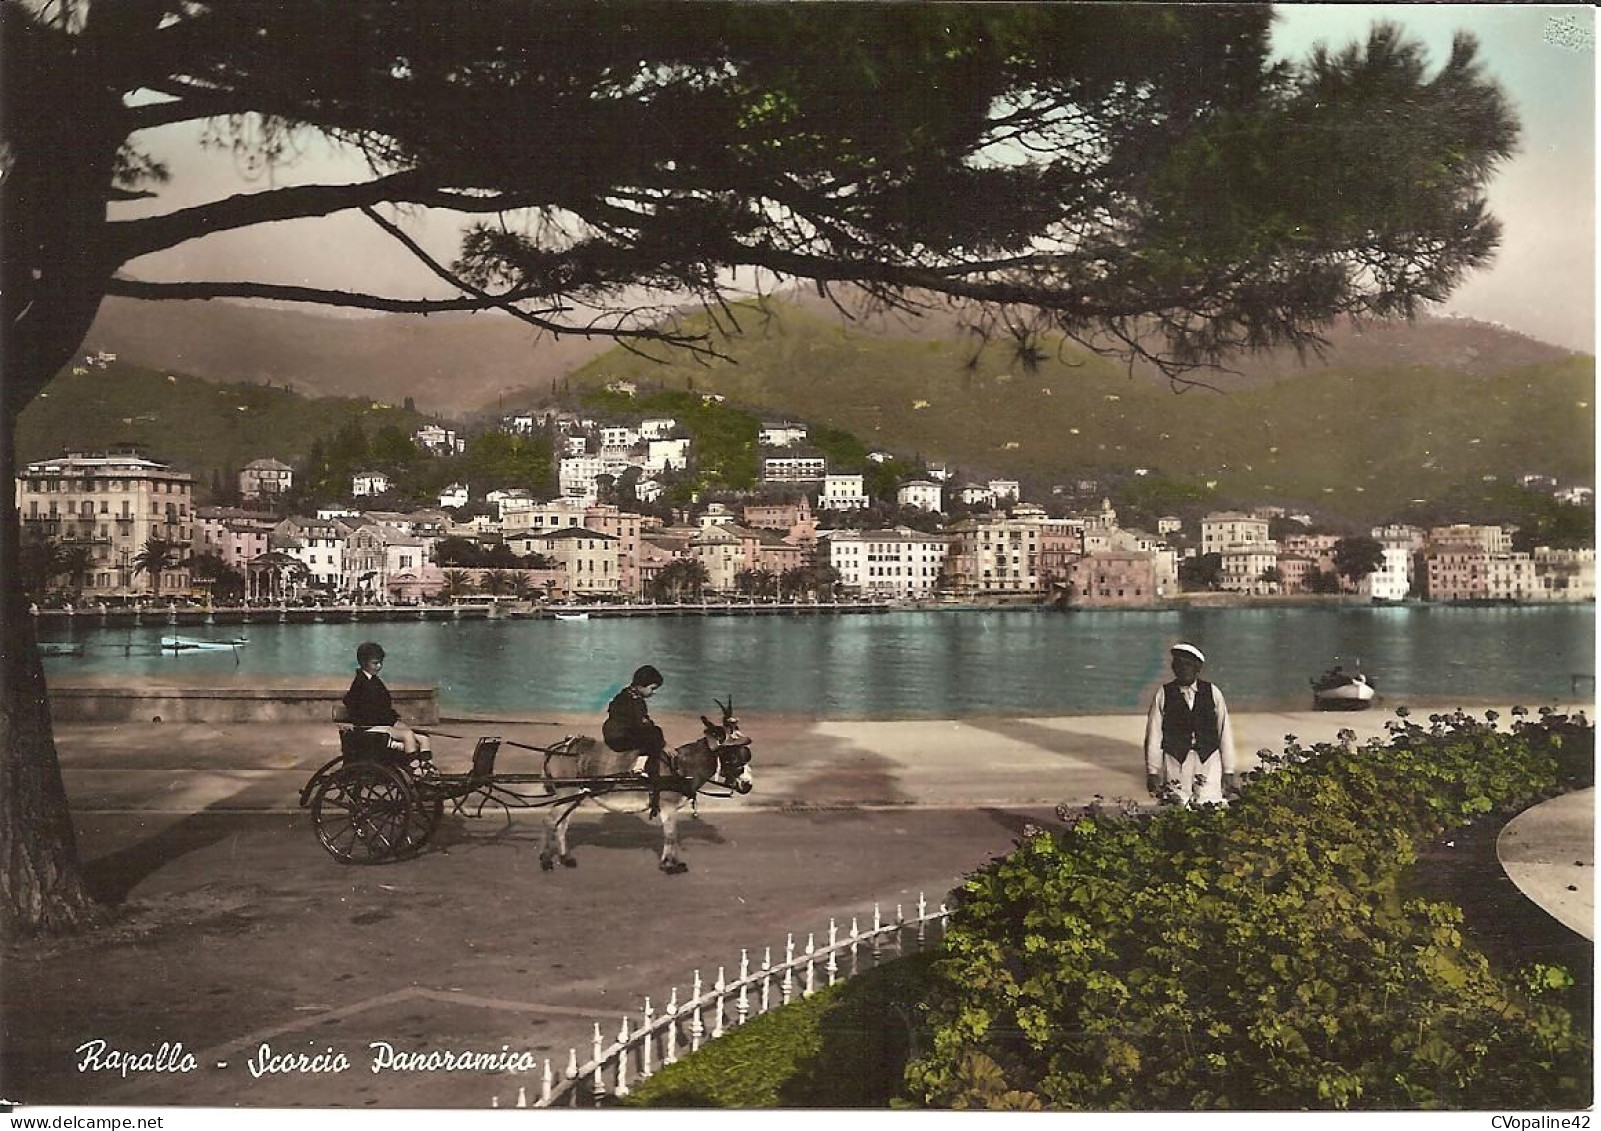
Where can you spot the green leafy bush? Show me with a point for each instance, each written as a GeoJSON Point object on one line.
{"type": "Point", "coordinates": [845, 1046]}
{"type": "Point", "coordinates": [1261, 956]}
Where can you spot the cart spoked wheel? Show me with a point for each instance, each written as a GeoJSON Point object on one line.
{"type": "Point", "coordinates": [367, 813]}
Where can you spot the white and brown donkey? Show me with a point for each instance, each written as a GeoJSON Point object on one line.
{"type": "Point", "coordinates": [720, 756]}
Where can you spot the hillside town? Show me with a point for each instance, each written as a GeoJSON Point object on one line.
{"type": "Point", "coordinates": [119, 526]}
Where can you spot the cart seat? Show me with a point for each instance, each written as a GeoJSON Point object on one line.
{"type": "Point", "coordinates": [357, 743]}
{"type": "Point", "coordinates": [484, 757]}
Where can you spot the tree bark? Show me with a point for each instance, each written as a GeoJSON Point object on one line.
{"type": "Point", "coordinates": [41, 877]}
{"type": "Point", "coordinates": [53, 275]}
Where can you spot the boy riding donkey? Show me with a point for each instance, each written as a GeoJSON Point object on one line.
{"type": "Point", "coordinates": [629, 726]}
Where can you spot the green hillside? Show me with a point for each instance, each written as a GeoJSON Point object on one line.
{"type": "Point", "coordinates": [1358, 444]}
{"type": "Point", "coordinates": [195, 424]}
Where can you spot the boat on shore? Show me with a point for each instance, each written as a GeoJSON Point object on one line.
{"type": "Point", "coordinates": [1341, 690]}
{"type": "Point", "coordinates": [571, 616]}
{"type": "Point", "coordinates": [60, 648]}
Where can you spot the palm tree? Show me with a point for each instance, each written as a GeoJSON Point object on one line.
{"type": "Point", "coordinates": [76, 563]}
{"type": "Point", "coordinates": [495, 582]}
{"type": "Point", "coordinates": [521, 584]}
{"type": "Point", "coordinates": [696, 577]}
{"type": "Point", "coordinates": [458, 582]}
{"type": "Point", "coordinates": [158, 555]}
{"type": "Point", "coordinates": [41, 561]}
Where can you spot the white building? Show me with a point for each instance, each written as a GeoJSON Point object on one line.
{"type": "Point", "coordinates": [657, 427]}
{"type": "Point", "coordinates": [456, 495]}
{"type": "Point", "coordinates": [1246, 567]}
{"type": "Point", "coordinates": [1564, 575]}
{"type": "Point", "coordinates": [842, 492]}
{"type": "Point", "coordinates": [1512, 578]}
{"type": "Point", "coordinates": [1004, 490]}
{"type": "Point", "coordinates": [715, 514]}
{"type": "Point", "coordinates": [368, 483]}
{"type": "Point", "coordinates": [780, 434]}
{"type": "Point", "coordinates": [664, 455]}
{"type": "Point", "coordinates": [547, 516]}
{"type": "Point", "coordinates": [618, 437]}
{"type": "Point", "coordinates": [1223, 530]}
{"type": "Point", "coordinates": [318, 545]}
{"type": "Point", "coordinates": [794, 469]}
{"type": "Point", "coordinates": [887, 563]}
{"type": "Point", "coordinates": [1392, 581]}
{"type": "Point", "coordinates": [924, 494]}
{"type": "Point", "coordinates": [1169, 524]}
{"type": "Point", "coordinates": [439, 440]}
{"type": "Point", "coordinates": [265, 477]}
{"type": "Point", "coordinates": [575, 445]}
{"type": "Point", "coordinates": [509, 500]}
{"type": "Point", "coordinates": [648, 490]}
{"type": "Point", "coordinates": [576, 475]}
{"type": "Point", "coordinates": [975, 495]}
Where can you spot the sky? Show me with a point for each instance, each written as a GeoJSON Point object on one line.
{"type": "Point", "coordinates": [1542, 282]}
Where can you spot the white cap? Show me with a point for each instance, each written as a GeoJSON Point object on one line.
{"type": "Point", "coordinates": [1190, 649]}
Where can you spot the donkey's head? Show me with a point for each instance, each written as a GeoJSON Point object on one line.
{"type": "Point", "coordinates": [731, 747]}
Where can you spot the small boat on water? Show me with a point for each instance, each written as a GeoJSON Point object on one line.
{"type": "Point", "coordinates": [1341, 690]}
{"type": "Point", "coordinates": [59, 648]}
{"type": "Point", "coordinates": [188, 644]}
{"type": "Point", "coordinates": [572, 616]}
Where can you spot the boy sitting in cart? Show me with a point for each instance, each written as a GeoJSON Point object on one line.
{"type": "Point", "coordinates": [629, 726]}
{"type": "Point", "coordinates": [371, 708]}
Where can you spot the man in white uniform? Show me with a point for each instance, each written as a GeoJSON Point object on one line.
{"type": "Point", "coordinates": [1189, 744]}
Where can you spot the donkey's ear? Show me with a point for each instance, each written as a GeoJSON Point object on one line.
{"type": "Point", "coordinates": [719, 703]}
{"type": "Point", "coordinates": [709, 724]}
{"type": "Point", "coordinates": [730, 707]}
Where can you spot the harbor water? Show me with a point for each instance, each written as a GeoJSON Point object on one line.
{"type": "Point", "coordinates": [933, 664]}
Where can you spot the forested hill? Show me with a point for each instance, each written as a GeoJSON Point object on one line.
{"type": "Point", "coordinates": [1390, 415]}
{"type": "Point", "coordinates": [203, 427]}
{"type": "Point", "coordinates": [1357, 440]}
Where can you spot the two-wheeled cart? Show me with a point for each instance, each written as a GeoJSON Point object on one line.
{"type": "Point", "coordinates": [372, 804]}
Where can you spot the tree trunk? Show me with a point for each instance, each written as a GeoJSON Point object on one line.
{"type": "Point", "coordinates": [54, 267]}
{"type": "Point", "coordinates": [41, 878]}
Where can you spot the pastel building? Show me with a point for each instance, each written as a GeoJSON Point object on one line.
{"type": "Point", "coordinates": [112, 505]}
{"type": "Point", "coordinates": [897, 562]}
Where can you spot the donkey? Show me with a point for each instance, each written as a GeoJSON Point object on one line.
{"type": "Point", "coordinates": [721, 755]}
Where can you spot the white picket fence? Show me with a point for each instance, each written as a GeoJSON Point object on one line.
{"type": "Point", "coordinates": [649, 1041]}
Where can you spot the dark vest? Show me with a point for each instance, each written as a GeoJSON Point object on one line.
{"type": "Point", "coordinates": [1187, 728]}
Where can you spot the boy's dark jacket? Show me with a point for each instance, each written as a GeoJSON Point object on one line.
{"type": "Point", "coordinates": [368, 702]}
{"type": "Point", "coordinates": [628, 723]}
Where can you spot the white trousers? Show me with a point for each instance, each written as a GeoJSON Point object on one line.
{"type": "Point", "coordinates": [403, 738]}
{"type": "Point", "coordinates": [1192, 781]}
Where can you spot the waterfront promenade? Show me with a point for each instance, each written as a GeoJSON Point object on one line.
{"type": "Point", "coordinates": [239, 931]}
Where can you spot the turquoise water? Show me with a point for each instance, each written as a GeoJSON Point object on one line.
{"type": "Point", "coordinates": [906, 664]}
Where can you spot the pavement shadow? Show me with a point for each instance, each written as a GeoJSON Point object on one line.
{"type": "Point", "coordinates": [836, 770]}
{"type": "Point", "coordinates": [1069, 744]}
{"type": "Point", "coordinates": [112, 877]}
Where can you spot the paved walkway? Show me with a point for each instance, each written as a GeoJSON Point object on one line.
{"type": "Point", "coordinates": [1549, 853]}
{"type": "Point", "coordinates": [242, 933]}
